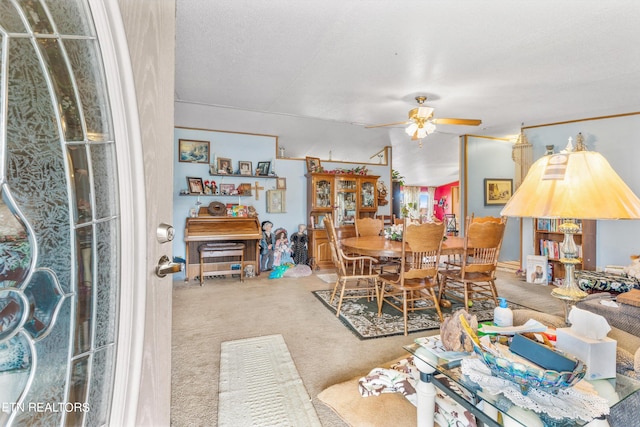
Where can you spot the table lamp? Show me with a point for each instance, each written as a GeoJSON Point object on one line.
{"type": "Point", "coordinates": [572, 185]}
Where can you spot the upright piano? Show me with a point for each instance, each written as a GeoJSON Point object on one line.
{"type": "Point", "coordinates": [206, 228]}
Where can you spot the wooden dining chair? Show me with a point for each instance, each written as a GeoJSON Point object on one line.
{"type": "Point", "coordinates": [375, 227]}
{"type": "Point", "coordinates": [369, 227]}
{"type": "Point", "coordinates": [474, 280]}
{"type": "Point", "coordinates": [387, 220]}
{"type": "Point", "coordinates": [357, 276]}
{"type": "Point", "coordinates": [417, 277]}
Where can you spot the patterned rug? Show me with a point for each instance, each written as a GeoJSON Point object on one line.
{"type": "Point", "coordinates": [260, 386]}
{"type": "Point", "coordinates": [361, 316]}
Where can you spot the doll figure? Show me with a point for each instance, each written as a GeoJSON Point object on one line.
{"type": "Point", "coordinates": [267, 246]}
{"type": "Point", "coordinates": [299, 245]}
{"type": "Point", "coordinates": [282, 251]}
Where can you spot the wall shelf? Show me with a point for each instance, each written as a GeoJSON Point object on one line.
{"type": "Point", "coordinates": [237, 175]}
{"type": "Point", "coordinates": [217, 195]}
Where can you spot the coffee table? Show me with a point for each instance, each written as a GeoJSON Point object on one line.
{"type": "Point", "coordinates": [430, 365]}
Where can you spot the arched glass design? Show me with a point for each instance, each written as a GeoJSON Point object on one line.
{"type": "Point", "coordinates": [59, 218]}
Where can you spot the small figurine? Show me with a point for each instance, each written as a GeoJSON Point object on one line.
{"type": "Point", "coordinates": [267, 246]}
{"type": "Point", "coordinates": [282, 251]}
{"type": "Point", "coordinates": [299, 243]}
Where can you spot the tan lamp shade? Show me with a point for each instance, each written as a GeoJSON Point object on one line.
{"type": "Point", "coordinates": [578, 184]}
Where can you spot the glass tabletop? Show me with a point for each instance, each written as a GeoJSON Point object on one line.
{"type": "Point", "coordinates": [490, 409]}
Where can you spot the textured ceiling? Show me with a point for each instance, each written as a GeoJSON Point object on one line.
{"type": "Point", "coordinates": [337, 66]}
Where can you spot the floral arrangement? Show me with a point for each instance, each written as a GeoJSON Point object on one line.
{"type": "Point", "coordinates": [393, 233]}
{"type": "Point", "coordinates": [359, 170]}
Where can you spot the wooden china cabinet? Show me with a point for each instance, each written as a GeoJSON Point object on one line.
{"type": "Point", "coordinates": [344, 196]}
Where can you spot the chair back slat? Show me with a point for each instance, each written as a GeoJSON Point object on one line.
{"type": "Point", "coordinates": [482, 245]}
{"type": "Point", "coordinates": [425, 243]}
{"type": "Point", "coordinates": [333, 244]}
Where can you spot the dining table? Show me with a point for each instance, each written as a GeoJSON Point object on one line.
{"type": "Point", "coordinates": [379, 246]}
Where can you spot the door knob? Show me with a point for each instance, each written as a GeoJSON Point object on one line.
{"type": "Point", "coordinates": [165, 266]}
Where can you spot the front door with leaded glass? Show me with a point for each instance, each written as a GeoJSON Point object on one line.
{"type": "Point", "coordinates": [59, 218]}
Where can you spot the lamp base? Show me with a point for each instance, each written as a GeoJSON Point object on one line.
{"type": "Point", "coordinates": [569, 292]}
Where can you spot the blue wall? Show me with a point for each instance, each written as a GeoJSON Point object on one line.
{"type": "Point", "coordinates": [253, 148]}
{"type": "Point", "coordinates": [617, 139]}
{"type": "Point", "coordinates": [490, 158]}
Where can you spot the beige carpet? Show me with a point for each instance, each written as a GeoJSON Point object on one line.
{"type": "Point", "coordinates": [260, 386]}
{"type": "Point", "coordinates": [324, 351]}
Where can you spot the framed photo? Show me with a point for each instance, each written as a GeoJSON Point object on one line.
{"type": "Point", "coordinates": [196, 186]}
{"type": "Point", "coordinates": [227, 189]}
{"type": "Point", "coordinates": [213, 169]}
{"type": "Point", "coordinates": [245, 168]}
{"type": "Point", "coordinates": [281, 183]}
{"type": "Point", "coordinates": [193, 151]}
{"type": "Point", "coordinates": [313, 164]}
{"type": "Point", "coordinates": [224, 166]}
{"type": "Point", "coordinates": [263, 168]}
{"type": "Point", "coordinates": [276, 201]}
{"type": "Point", "coordinates": [537, 269]}
{"type": "Point", "coordinates": [497, 191]}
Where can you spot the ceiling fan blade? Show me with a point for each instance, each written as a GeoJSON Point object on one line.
{"type": "Point", "coordinates": [467, 122]}
{"type": "Point", "coordinates": [387, 124]}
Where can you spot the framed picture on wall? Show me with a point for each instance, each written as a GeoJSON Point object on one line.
{"type": "Point", "coordinates": [224, 166]}
{"type": "Point", "coordinates": [281, 183]}
{"type": "Point", "coordinates": [245, 168]}
{"type": "Point", "coordinates": [227, 189]}
{"type": "Point", "coordinates": [196, 186]}
{"type": "Point", "coordinates": [497, 191]}
{"type": "Point", "coordinates": [263, 168]}
{"type": "Point", "coordinates": [276, 201]}
{"type": "Point", "coordinates": [313, 164]}
{"type": "Point", "coordinates": [193, 151]}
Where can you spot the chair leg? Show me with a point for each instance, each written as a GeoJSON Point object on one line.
{"type": "Point", "coordinates": [494, 291]}
{"type": "Point", "coordinates": [342, 289]}
{"type": "Point", "coordinates": [437, 303]}
{"type": "Point", "coordinates": [404, 312]}
{"type": "Point", "coordinates": [335, 289]}
{"type": "Point", "coordinates": [380, 299]}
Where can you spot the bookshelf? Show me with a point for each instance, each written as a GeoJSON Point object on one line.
{"type": "Point", "coordinates": [548, 240]}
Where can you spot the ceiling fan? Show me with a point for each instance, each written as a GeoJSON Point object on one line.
{"type": "Point", "coordinates": [421, 122]}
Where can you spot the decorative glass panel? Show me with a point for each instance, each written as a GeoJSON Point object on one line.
{"type": "Point", "coordinates": [60, 77]}
{"type": "Point", "coordinates": [38, 19]}
{"type": "Point", "coordinates": [59, 219]}
{"type": "Point", "coordinates": [91, 87]}
{"type": "Point", "coordinates": [71, 17]}
{"type": "Point", "coordinates": [9, 18]}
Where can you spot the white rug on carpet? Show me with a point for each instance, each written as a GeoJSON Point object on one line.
{"type": "Point", "coordinates": [260, 386]}
{"type": "Point", "coordinates": [329, 278]}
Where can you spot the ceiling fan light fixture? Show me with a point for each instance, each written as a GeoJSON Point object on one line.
{"type": "Point", "coordinates": [422, 112]}
{"type": "Point", "coordinates": [411, 129]}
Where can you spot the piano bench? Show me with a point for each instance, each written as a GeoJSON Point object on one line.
{"type": "Point", "coordinates": [221, 250]}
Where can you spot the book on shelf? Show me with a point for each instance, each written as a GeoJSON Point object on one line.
{"type": "Point", "coordinates": [553, 225]}
{"type": "Point", "coordinates": [553, 249]}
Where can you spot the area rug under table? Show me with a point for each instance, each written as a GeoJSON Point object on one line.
{"type": "Point", "coordinates": [361, 316]}
{"type": "Point", "coordinates": [260, 386]}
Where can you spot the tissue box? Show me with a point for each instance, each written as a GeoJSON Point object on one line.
{"type": "Point", "coordinates": [598, 355]}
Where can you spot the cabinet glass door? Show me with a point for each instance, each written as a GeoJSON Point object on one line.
{"type": "Point", "coordinates": [322, 190]}
{"type": "Point", "coordinates": [346, 201]}
{"type": "Point", "coordinates": [368, 194]}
